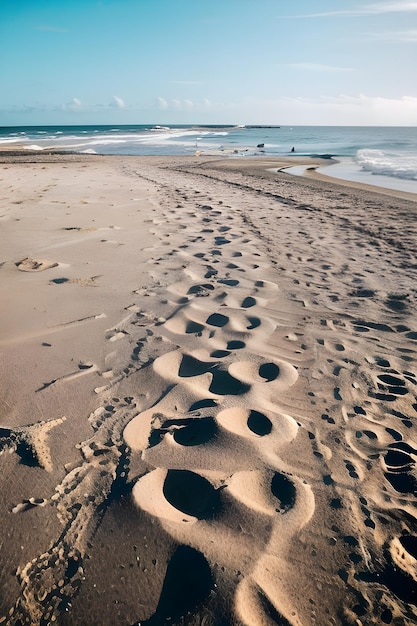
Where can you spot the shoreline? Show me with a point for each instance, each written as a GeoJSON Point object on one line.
{"type": "Point", "coordinates": [352, 176]}
{"type": "Point", "coordinates": [301, 165]}
{"type": "Point", "coordinates": [209, 373]}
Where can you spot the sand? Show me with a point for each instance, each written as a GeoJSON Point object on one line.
{"type": "Point", "coordinates": [208, 394]}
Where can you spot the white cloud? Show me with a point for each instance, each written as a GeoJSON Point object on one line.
{"type": "Point", "coordinates": [74, 105]}
{"type": "Point", "coordinates": [162, 104]}
{"type": "Point", "coordinates": [341, 110]}
{"type": "Point", "coordinates": [183, 105]}
{"type": "Point", "coordinates": [403, 36]}
{"type": "Point", "coordinates": [368, 9]}
{"type": "Point", "coordinates": [318, 67]}
{"type": "Point", "coordinates": [118, 103]}
{"type": "Point", "coordinates": [391, 7]}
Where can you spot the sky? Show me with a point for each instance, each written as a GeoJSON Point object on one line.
{"type": "Point", "coordinates": [321, 62]}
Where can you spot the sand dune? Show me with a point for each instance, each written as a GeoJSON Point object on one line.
{"type": "Point", "coordinates": [208, 396]}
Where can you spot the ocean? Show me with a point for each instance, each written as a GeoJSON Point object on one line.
{"type": "Point", "coordinates": [385, 156]}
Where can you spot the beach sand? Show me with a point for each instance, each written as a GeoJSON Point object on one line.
{"type": "Point", "coordinates": [208, 394]}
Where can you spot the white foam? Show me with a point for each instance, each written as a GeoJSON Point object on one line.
{"type": "Point", "coordinates": [7, 141]}
{"type": "Point", "coordinates": [116, 141]}
{"type": "Point", "coordinates": [388, 163]}
{"type": "Point", "coordinates": [348, 169]}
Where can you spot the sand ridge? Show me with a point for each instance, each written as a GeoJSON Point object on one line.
{"type": "Point", "coordinates": [250, 413]}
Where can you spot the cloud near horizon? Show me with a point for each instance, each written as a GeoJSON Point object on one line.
{"type": "Point", "coordinates": [118, 103]}
{"type": "Point", "coordinates": [183, 105]}
{"type": "Point", "coordinates": [162, 104]}
{"type": "Point", "coordinates": [318, 67]}
{"type": "Point", "coordinates": [74, 105]}
{"type": "Point", "coordinates": [368, 9]}
{"type": "Point", "coordinates": [402, 36]}
{"type": "Point", "coordinates": [342, 110]}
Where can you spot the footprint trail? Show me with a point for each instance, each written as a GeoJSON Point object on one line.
{"type": "Point", "coordinates": [247, 427]}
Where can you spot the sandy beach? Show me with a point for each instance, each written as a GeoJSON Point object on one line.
{"type": "Point", "coordinates": [208, 394]}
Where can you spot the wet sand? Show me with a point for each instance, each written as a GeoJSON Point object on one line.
{"type": "Point", "coordinates": [208, 394]}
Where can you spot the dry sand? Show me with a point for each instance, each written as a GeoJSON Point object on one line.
{"type": "Point", "coordinates": [208, 395]}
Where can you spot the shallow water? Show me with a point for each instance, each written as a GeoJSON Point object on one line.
{"type": "Point", "coordinates": [376, 155]}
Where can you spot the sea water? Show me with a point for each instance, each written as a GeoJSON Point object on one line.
{"type": "Point", "coordinates": [378, 155]}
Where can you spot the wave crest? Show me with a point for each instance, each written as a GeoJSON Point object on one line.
{"type": "Point", "coordinates": [388, 163]}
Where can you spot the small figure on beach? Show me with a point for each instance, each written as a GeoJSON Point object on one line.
{"type": "Point", "coordinates": [293, 149]}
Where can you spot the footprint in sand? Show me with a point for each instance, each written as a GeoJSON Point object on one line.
{"type": "Point", "coordinates": [213, 441]}
{"type": "Point", "coordinates": [182, 590]}
{"type": "Point", "coordinates": [30, 443]}
{"type": "Point", "coordinates": [34, 265]}
{"type": "Point", "coordinates": [195, 482]}
{"type": "Point", "coordinates": [403, 551]}
{"type": "Point", "coordinates": [399, 463]}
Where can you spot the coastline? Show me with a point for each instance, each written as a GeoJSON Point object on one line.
{"type": "Point", "coordinates": [337, 169]}
{"type": "Point", "coordinates": [344, 172]}
{"type": "Point", "coordinates": [207, 368]}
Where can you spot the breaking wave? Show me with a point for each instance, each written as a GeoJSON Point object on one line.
{"type": "Point", "coordinates": [388, 163]}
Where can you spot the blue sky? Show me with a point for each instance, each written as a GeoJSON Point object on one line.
{"type": "Point", "coordinates": [348, 62]}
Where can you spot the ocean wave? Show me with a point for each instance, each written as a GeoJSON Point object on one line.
{"type": "Point", "coordinates": [391, 153]}
{"type": "Point", "coordinates": [122, 140]}
{"type": "Point", "coordinates": [7, 140]}
{"type": "Point", "coordinates": [388, 163]}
